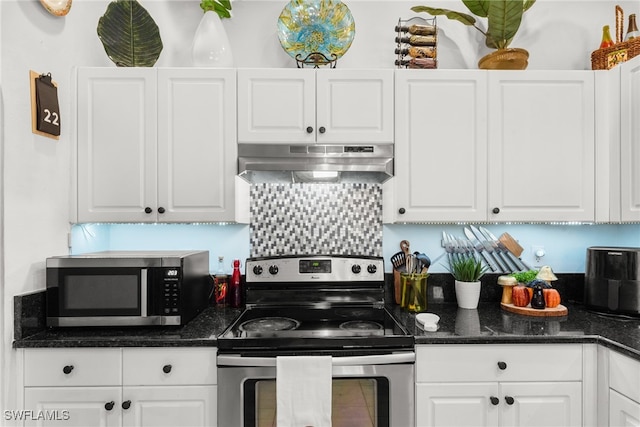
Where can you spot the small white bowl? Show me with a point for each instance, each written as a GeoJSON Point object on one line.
{"type": "Point", "coordinates": [428, 321]}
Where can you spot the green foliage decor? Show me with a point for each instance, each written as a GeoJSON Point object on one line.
{"type": "Point", "coordinates": [129, 34]}
{"type": "Point", "coordinates": [503, 18]}
{"type": "Point", "coordinates": [221, 7]}
{"type": "Point", "coordinates": [468, 269]}
{"type": "Point", "coordinates": [525, 276]}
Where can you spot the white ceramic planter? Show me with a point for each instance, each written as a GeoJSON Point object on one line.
{"type": "Point", "coordinates": [467, 294]}
{"type": "Point", "coordinates": [211, 47]}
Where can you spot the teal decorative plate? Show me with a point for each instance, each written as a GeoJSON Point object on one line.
{"type": "Point", "coordinates": [309, 26]}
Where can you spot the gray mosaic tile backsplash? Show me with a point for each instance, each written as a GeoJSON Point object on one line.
{"type": "Point", "coordinates": [314, 219]}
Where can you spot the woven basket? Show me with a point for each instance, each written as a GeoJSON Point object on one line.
{"type": "Point", "coordinates": [609, 57]}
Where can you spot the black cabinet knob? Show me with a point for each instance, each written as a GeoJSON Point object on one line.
{"type": "Point", "coordinates": [67, 369]}
{"type": "Point", "coordinates": [126, 404]}
{"type": "Point", "coordinates": [166, 369]}
{"type": "Point", "coordinates": [356, 269]}
{"type": "Point", "coordinates": [161, 210]}
{"type": "Point", "coordinates": [496, 210]}
{"type": "Point", "coordinates": [401, 211]}
{"type": "Point", "coordinates": [509, 400]}
{"type": "Point", "coordinates": [502, 365]}
{"type": "Point", "coordinates": [109, 405]}
{"type": "Point", "coordinates": [148, 210]}
{"type": "Point", "coordinates": [309, 129]}
{"type": "Point", "coordinates": [322, 129]}
{"type": "Point", "coordinates": [494, 400]}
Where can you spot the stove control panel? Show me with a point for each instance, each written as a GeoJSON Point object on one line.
{"type": "Point", "coordinates": [314, 268]}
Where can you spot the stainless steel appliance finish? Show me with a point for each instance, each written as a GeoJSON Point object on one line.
{"type": "Point", "coordinates": [612, 280]}
{"type": "Point", "coordinates": [316, 305]}
{"type": "Point", "coordinates": [127, 288]}
{"type": "Point", "coordinates": [315, 162]}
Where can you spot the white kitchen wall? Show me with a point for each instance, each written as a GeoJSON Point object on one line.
{"type": "Point", "coordinates": [560, 34]}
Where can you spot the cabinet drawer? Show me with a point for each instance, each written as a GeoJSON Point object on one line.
{"type": "Point", "coordinates": [504, 362]}
{"type": "Point", "coordinates": [169, 366]}
{"type": "Point", "coordinates": [72, 367]}
{"type": "Point", "coordinates": [624, 375]}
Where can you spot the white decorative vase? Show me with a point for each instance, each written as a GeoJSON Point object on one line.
{"type": "Point", "coordinates": [467, 294]}
{"type": "Point", "coordinates": [211, 46]}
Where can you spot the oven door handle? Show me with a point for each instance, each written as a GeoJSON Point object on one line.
{"type": "Point", "coordinates": [376, 359]}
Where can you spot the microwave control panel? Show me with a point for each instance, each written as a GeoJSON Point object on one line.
{"type": "Point", "coordinates": [171, 300]}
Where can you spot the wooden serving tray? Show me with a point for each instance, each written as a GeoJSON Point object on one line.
{"type": "Point", "coordinates": [559, 310]}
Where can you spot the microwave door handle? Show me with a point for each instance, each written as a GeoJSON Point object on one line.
{"type": "Point", "coordinates": [143, 292]}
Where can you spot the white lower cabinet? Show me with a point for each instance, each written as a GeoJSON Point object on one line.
{"type": "Point", "coordinates": [499, 385]}
{"type": "Point", "coordinates": [624, 391]}
{"type": "Point", "coordinates": [120, 387]}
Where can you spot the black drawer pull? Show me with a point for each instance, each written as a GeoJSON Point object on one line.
{"type": "Point", "coordinates": [166, 369]}
{"type": "Point", "coordinates": [67, 369]}
{"type": "Point", "coordinates": [502, 366]}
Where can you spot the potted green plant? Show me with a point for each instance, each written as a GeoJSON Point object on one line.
{"type": "Point", "coordinates": [467, 273]}
{"type": "Point", "coordinates": [503, 21]}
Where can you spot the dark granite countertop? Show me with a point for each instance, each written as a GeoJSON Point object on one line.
{"type": "Point", "coordinates": [202, 331]}
{"type": "Point", "coordinates": [489, 324]}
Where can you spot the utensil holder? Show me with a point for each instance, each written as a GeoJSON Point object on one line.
{"type": "Point", "coordinates": [413, 292]}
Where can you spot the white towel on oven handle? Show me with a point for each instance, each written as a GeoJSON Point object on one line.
{"type": "Point", "coordinates": [303, 389]}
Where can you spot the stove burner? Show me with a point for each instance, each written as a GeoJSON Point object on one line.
{"type": "Point", "coordinates": [361, 325]}
{"type": "Point", "coordinates": [269, 324]}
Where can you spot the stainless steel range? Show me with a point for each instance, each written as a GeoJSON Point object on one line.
{"type": "Point", "coordinates": [316, 305]}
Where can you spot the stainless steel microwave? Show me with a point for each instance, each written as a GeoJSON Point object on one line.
{"type": "Point", "coordinates": [127, 288]}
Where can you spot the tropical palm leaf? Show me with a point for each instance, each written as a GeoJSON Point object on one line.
{"type": "Point", "coordinates": [129, 34]}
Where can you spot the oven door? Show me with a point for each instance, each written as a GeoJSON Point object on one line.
{"type": "Point", "coordinates": [374, 390]}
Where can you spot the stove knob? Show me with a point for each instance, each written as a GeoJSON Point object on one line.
{"type": "Point", "coordinates": [273, 269]}
{"type": "Point", "coordinates": [371, 268]}
{"type": "Point", "coordinates": [355, 268]}
{"type": "Point", "coordinates": [257, 270]}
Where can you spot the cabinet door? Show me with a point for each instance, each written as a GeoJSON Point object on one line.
{"type": "Point", "coordinates": [73, 406]}
{"type": "Point", "coordinates": [354, 106]}
{"type": "Point", "coordinates": [541, 146]}
{"type": "Point", "coordinates": [276, 105]}
{"type": "Point", "coordinates": [543, 404]}
{"type": "Point", "coordinates": [116, 144]}
{"type": "Point", "coordinates": [623, 412]}
{"type": "Point", "coordinates": [441, 145]}
{"type": "Point", "coordinates": [630, 141]}
{"type": "Point", "coordinates": [456, 405]}
{"type": "Point", "coordinates": [170, 406]}
{"type": "Point", "coordinates": [196, 144]}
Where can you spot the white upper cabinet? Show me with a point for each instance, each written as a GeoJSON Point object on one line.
{"type": "Point", "coordinates": [309, 106]}
{"type": "Point", "coordinates": [541, 146]}
{"type": "Point", "coordinates": [116, 144]}
{"type": "Point", "coordinates": [156, 144]}
{"type": "Point", "coordinates": [441, 148]}
{"type": "Point", "coordinates": [476, 145]}
{"type": "Point", "coordinates": [630, 140]}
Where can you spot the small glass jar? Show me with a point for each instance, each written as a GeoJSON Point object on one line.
{"type": "Point", "coordinates": [413, 292]}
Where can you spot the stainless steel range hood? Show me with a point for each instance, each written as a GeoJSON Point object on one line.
{"type": "Point", "coordinates": [315, 163]}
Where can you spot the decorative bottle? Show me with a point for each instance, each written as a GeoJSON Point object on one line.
{"type": "Point", "coordinates": [420, 30]}
{"type": "Point", "coordinates": [221, 281]}
{"type": "Point", "coordinates": [417, 40]}
{"type": "Point", "coordinates": [607, 41]}
{"type": "Point", "coordinates": [235, 289]}
{"type": "Point", "coordinates": [418, 51]}
{"type": "Point", "coordinates": [632, 29]}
